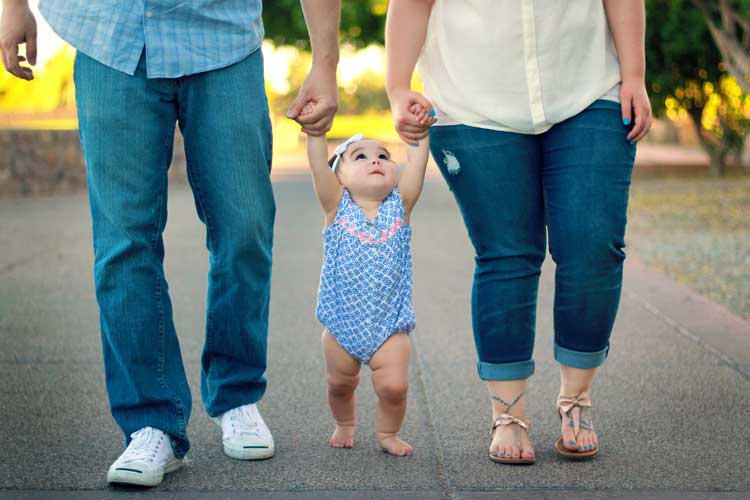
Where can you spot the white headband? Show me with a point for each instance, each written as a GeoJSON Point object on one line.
{"type": "Point", "coordinates": [341, 149]}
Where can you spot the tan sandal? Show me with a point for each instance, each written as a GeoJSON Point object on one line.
{"type": "Point", "coordinates": [578, 410]}
{"type": "Point", "coordinates": [507, 419]}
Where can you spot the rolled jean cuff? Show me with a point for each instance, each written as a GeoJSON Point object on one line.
{"type": "Point", "coordinates": [517, 370]}
{"type": "Point", "coordinates": [579, 359]}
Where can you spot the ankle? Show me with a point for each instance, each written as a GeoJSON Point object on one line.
{"type": "Point", "coordinates": [575, 391]}
{"type": "Point", "coordinates": [382, 436]}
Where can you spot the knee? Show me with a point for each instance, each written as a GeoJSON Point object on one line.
{"type": "Point", "coordinates": [341, 385]}
{"type": "Point", "coordinates": [393, 391]}
{"type": "Point", "coordinates": [590, 258]}
{"type": "Point", "coordinates": [510, 266]}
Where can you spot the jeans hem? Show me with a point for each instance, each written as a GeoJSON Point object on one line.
{"type": "Point", "coordinates": [580, 359]}
{"type": "Point", "coordinates": [517, 370]}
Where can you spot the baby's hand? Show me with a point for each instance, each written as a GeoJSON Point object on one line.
{"type": "Point", "coordinates": [308, 108]}
{"type": "Point", "coordinates": [422, 115]}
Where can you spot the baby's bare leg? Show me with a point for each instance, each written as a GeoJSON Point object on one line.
{"type": "Point", "coordinates": [342, 375]}
{"type": "Point", "coordinates": [390, 377]}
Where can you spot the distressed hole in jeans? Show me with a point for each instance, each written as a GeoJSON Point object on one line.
{"type": "Point", "coordinates": [451, 162]}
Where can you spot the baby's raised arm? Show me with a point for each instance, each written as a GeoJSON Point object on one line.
{"type": "Point", "coordinates": [326, 184]}
{"type": "Point", "coordinates": [412, 178]}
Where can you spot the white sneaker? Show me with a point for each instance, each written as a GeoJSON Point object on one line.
{"type": "Point", "coordinates": [244, 433]}
{"type": "Point", "coordinates": [145, 461]}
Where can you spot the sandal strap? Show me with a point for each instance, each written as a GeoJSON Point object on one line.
{"type": "Point", "coordinates": [567, 403]}
{"type": "Point", "coordinates": [507, 419]}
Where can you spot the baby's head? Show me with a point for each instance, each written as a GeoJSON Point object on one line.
{"type": "Point", "coordinates": [364, 167]}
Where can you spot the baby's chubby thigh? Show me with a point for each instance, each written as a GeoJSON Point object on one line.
{"type": "Point", "coordinates": [342, 369]}
{"type": "Point", "coordinates": [390, 367]}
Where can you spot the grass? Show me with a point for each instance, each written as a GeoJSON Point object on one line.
{"type": "Point", "coordinates": [697, 230]}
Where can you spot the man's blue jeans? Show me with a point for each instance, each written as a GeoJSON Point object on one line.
{"type": "Point", "coordinates": [574, 180]}
{"type": "Point", "coordinates": [127, 126]}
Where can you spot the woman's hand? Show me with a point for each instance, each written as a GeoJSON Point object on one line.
{"type": "Point", "coordinates": [634, 101]}
{"type": "Point", "coordinates": [412, 115]}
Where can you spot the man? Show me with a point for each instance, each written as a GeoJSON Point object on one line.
{"type": "Point", "coordinates": [141, 68]}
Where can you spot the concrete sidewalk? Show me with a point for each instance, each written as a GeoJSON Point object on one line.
{"type": "Point", "coordinates": [672, 402]}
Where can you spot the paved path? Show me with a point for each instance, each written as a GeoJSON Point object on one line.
{"type": "Point", "coordinates": [673, 400]}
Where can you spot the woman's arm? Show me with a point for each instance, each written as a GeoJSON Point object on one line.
{"type": "Point", "coordinates": [412, 178]}
{"type": "Point", "coordinates": [627, 21]}
{"type": "Point", "coordinates": [405, 31]}
{"type": "Point", "coordinates": [325, 182]}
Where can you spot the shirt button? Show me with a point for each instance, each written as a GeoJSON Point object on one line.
{"type": "Point", "coordinates": [149, 13]}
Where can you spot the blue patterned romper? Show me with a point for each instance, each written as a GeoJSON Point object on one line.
{"type": "Point", "coordinates": [366, 281]}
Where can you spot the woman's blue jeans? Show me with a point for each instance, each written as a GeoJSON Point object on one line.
{"type": "Point", "coordinates": [573, 181]}
{"type": "Point", "coordinates": [127, 126]}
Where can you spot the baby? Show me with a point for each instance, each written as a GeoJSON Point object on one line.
{"type": "Point", "coordinates": [364, 299]}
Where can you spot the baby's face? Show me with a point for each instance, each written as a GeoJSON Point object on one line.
{"type": "Point", "coordinates": [367, 168]}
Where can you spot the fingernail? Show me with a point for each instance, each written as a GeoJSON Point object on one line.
{"type": "Point", "coordinates": [626, 121]}
{"type": "Point", "coordinates": [415, 144]}
{"type": "Point", "coordinates": [432, 112]}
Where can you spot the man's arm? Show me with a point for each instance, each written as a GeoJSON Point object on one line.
{"type": "Point", "coordinates": [17, 26]}
{"type": "Point", "coordinates": [322, 18]}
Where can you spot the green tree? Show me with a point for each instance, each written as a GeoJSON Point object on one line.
{"type": "Point", "coordinates": [362, 22]}
{"type": "Point", "coordinates": [686, 75]}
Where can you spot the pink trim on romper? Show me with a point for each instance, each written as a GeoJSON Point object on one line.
{"type": "Point", "coordinates": [367, 238]}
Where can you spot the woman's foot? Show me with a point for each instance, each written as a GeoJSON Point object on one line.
{"type": "Point", "coordinates": [394, 445]}
{"type": "Point", "coordinates": [510, 439]}
{"type": "Point", "coordinates": [577, 429]}
{"type": "Point", "coordinates": [343, 437]}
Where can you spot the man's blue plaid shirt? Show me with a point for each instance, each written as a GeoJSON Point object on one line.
{"type": "Point", "coordinates": [181, 37]}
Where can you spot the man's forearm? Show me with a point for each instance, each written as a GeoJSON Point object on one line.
{"type": "Point", "coordinates": [627, 21]}
{"type": "Point", "coordinates": [322, 18]}
{"type": "Point", "coordinates": [405, 31]}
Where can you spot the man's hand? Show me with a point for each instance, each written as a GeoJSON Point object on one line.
{"type": "Point", "coordinates": [17, 26]}
{"type": "Point", "coordinates": [319, 89]}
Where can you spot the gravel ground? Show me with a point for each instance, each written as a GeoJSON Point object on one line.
{"type": "Point", "coordinates": [697, 230]}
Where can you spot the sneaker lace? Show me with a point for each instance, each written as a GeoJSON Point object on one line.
{"type": "Point", "coordinates": [243, 422]}
{"type": "Point", "coordinates": [143, 447]}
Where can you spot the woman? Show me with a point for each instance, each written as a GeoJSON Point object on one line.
{"type": "Point", "coordinates": [538, 106]}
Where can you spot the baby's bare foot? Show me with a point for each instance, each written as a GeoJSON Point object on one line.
{"type": "Point", "coordinates": [343, 437]}
{"type": "Point", "coordinates": [394, 445]}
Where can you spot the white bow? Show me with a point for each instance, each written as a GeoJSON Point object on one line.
{"type": "Point", "coordinates": [341, 148]}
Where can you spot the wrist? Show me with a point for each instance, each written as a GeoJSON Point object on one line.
{"type": "Point", "coordinates": [633, 79]}
{"type": "Point", "coordinates": [326, 63]}
{"type": "Point", "coordinates": [395, 90]}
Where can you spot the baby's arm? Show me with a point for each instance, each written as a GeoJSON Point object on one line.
{"type": "Point", "coordinates": [326, 184]}
{"type": "Point", "coordinates": [412, 178]}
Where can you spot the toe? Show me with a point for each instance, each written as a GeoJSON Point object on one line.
{"type": "Point", "coordinates": [569, 440]}
{"type": "Point", "coordinates": [582, 442]}
{"type": "Point", "coordinates": [494, 449]}
{"type": "Point", "coordinates": [515, 452]}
